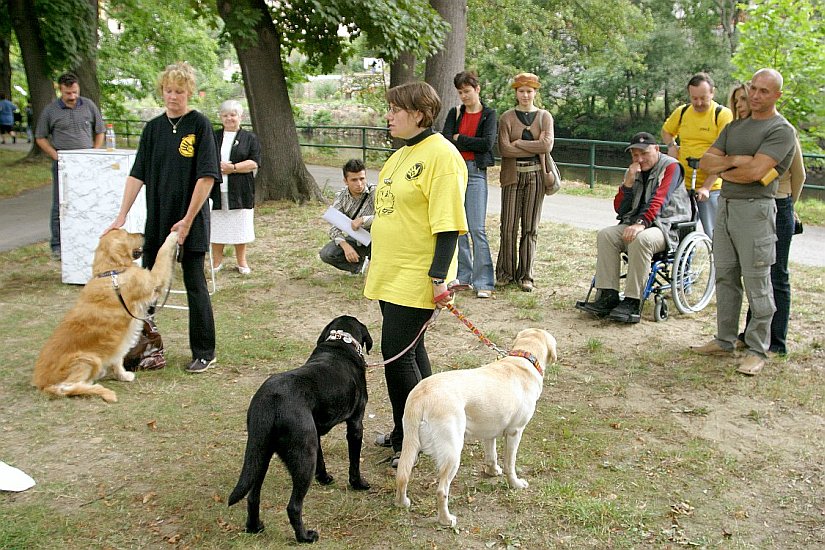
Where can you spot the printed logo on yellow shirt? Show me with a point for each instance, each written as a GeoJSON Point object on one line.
{"type": "Point", "coordinates": [414, 171]}
{"type": "Point", "coordinates": [384, 201]}
{"type": "Point", "coordinates": [187, 146]}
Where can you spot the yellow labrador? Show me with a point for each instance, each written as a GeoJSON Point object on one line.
{"type": "Point", "coordinates": [491, 401]}
{"type": "Point", "coordinates": [94, 336]}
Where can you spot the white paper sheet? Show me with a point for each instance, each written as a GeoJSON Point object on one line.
{"type": "Point", "coordinates": [342, 222]}
{"type": "Point", "coordinates": [12, 479]}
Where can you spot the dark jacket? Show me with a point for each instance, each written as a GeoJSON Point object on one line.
{"type": "Point", "coordinates": [241, 186]}
{"type": "Point", "coordinates": [484, 140]}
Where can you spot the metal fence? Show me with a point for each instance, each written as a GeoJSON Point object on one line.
{"type": "Point", "coordinates": [377, 139]}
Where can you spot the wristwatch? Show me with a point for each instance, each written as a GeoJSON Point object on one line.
{"type": "Point", "coordinates": [437, 282]}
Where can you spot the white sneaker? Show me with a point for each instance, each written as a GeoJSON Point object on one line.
{"type": "Point", "coordinates": [244, 270]}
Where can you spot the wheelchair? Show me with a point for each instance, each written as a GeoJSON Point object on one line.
{"type": "Point", "coordinates": [686, 274]}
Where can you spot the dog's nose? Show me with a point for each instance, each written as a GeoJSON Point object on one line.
{"type": "Point", "coordinates": [137, 253]}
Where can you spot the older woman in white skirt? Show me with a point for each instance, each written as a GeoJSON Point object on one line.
{"type": "Point", "coordinates": [233, 202]}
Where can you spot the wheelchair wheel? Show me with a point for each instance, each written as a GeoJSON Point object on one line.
{"type": "Point", "coordinates": [694, 274]}
{"type": "Point", "coordinates": [659, 308]}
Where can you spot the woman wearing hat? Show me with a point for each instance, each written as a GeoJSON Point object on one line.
{"type": "Point", "coordinates": [525, 138]}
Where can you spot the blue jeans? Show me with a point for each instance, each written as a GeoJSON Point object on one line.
{"type": "Point", "coordinates": [55, 218]}
{"type": "Point", "coordinates": [707, 212]}
{"type": "Point", "coordinates": [780, 277]}
{"type": "Point", "coordinates": [475, 267]}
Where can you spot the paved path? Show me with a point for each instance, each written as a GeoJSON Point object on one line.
{"type": "Point", "coordinates": [25, 219]}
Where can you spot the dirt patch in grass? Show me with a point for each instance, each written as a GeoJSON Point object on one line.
{"type": "Point", "coordinates": [635, 442]}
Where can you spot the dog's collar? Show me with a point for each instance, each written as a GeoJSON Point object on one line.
{"type": "Point", "coordinates": [530, 357]}
{"type": "Point", "coordinates": [347, 338]}
{"type": "Point", "coordinates": [111, 273]}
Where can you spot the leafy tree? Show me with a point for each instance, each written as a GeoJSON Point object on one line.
{"type": "Point", "coordinates": [264, 33]}
{"type": "Point", "coordinates": [139, 38]}
{"type": "Point", "coordinates": [788, 35]}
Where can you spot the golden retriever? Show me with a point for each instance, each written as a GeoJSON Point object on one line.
{"type": "Point", "coordinates": [94, 336]}
{"type": "Point", "coordinates": [491, 401]}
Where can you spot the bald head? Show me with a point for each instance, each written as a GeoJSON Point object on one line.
{"type": "Point", "coordinates": [765, 90]}
{"type": "Point", "coordinates": [770, 75]}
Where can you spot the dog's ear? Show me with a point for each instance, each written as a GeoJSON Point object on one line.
{"type": "Point", "coordinates": [367, 343]}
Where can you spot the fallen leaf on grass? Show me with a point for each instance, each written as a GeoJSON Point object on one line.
{"type": "Point", "coordinates": [149, 496]}
{"type": "Point", "coordinates": [217, 498]}
{"type": "Point", "coordinates": [153, 425]}
{"type": "Point", "coordinates": [174, 539]}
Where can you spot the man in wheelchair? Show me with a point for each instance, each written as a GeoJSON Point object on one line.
{"type": "Point", "coordinates": [650, 201]}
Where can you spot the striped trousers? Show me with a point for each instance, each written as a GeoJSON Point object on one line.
{"type": "Point", "coordinates": [520, 205]}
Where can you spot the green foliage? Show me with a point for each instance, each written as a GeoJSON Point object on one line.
{"type": "Point", "coordinates": [128, 69]}
{"type": "Point", "coordinates": [65, 31]}
{"type": "Point", "coordinates": [787, 35]}
{"type": "Point", "coordinates": [325, 90]}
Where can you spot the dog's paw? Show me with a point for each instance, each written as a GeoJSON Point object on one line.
{"type": "Point", "coordinates": [310, 536]}
{"type": "Point", "coordinates": [255, 528]}
{"type": "Point", "coordinates": [403, 502]}
{"type": "Point", "coordinates": [324, 479]}
{"type": "Point", "coordinates": [447, 520]}
{"type": "Point", "coordinates": [109, 396]}
{"type": "Point", "coordinates": [359, 484]}
{"type": "Point", "coordinates": [517, 483]}
{"type": "Point", "coordinates": [127, 376]}
{"type": "Point", "coordinates": [492, 470]}
{"type": "Point", "coordinates": [172, 237]}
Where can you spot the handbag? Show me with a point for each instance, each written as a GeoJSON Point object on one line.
{"type": "Point", "coordinates": [551, 171]}
{"type": "Point", "coordinates": [147, 353]}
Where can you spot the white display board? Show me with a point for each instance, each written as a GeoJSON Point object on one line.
{"type": "Point", "coordinates": [91, 183]}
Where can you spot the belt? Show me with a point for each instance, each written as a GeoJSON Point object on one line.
{"type": "Point", "coordinates": [528, 167]}
{"type": "Point", "coordinates": [527, 163]}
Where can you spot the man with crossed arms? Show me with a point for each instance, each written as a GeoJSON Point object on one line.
{"type": "Point", "coordinates": [749, 155]}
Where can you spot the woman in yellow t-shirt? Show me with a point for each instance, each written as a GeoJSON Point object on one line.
{"type": "Point", "coordinates": [419, 215]}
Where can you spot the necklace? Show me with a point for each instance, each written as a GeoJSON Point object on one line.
{"type": "Point", "coordinates": [388, 181]}
{"type": "Point", "coordinates": [175, 124]}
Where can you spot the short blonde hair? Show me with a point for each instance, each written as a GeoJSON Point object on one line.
{"type": "Point", "coordinates": [231, 106]}
{"type": "Point", "coordinates": [178, 74]}
{"type": "Point", "coordinates": [417, 96]}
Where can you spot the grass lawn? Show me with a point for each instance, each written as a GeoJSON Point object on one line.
{"type": "Point", "coordinates": [18, 175]}
{"type": "Point", "coordinates": [636, 443]}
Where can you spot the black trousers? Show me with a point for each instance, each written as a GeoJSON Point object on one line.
{"type": "Point", "coordinates": [400, 327]}
{"type": "Point", "coordinates": [201, 318]}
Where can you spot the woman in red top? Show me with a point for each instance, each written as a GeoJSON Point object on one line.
{"type": "Point", "coordinates": [472, 129]}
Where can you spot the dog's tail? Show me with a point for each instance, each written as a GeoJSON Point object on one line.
{"type": "Point", "coordinates": [413, 417]}
{"type": "Point", "coordinates": [256, 458]}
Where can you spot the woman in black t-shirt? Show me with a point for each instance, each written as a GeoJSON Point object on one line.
{"type": "Point", "coordinates": [177, 161]}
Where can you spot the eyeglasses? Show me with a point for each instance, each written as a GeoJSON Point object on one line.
{"type": "Point", "coordinates": [394, 109]}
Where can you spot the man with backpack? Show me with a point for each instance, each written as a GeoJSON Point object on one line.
{"type": "Point", "coordinates": [697, 125]}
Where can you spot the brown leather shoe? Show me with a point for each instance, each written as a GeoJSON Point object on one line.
{"type": "Point", "coordinates": [711, 348]}
{"type": "Point", "coordinates": [750, 365]}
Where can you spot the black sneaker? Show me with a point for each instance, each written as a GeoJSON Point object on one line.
{"type": "Point", "coordinates": [628, 311]}
{"type": "Point", "coordinates": [608, 299]}
{"type": "Point", "coordinates": [199, 365]}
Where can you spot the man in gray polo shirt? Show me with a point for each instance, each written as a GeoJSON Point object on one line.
{"type": "Point", "coordinates": [70, 122]}
{"type": "Point", "coordinates": [749, 154]}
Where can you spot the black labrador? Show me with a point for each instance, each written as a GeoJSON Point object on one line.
{"type": "Point", "coordinates": [292, 410]}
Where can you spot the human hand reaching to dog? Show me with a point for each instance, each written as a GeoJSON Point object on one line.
{"type": "Point", "coordinates": [182, 227]}
{"type": "Point", "coordinates": [117, 224]}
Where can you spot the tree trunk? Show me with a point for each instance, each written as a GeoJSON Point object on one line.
{"type": "Point", "coordinates": [5, 66]}
{"type": "Point", "coordinates": [33, 51]}
{"type": "Point", "coordinates": [282, 174]}
{"type": "Point", "coordinates": [86, 69]}
{"type": "Point", "coordinates": [402, 70]}
{"type": "Point", "coordinates": [443, 66]}
{"type": "Point", "coordinates": [667, 103]}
